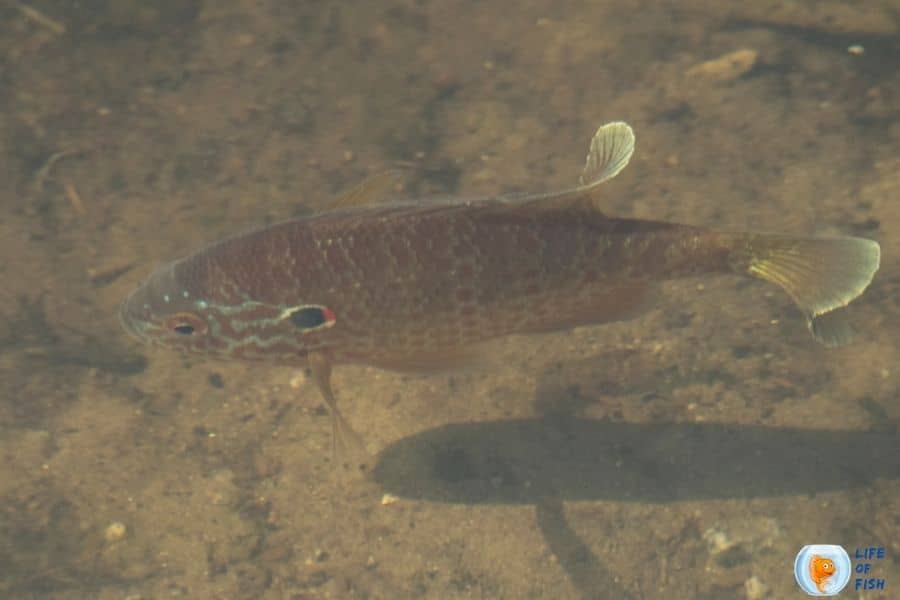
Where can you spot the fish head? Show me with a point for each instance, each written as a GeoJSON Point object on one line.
{"type": "Point", "coordinates": [162, 312]}
{"type": "Point", "coordinates": [181, 306]}
{"type": "Point", "coordinates": [823, 566]}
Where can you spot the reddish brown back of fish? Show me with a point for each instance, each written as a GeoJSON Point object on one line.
{"type": "Point", "coordinates": [408, 286]}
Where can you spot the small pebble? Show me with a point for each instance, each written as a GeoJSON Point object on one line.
{"type": "Point", "coordinates": [717, 540]}
{"type": "Point", "coordinates": [244, 40]}
{"type": "Point", "coordinates": [727, 67]}
{"type": "Point", "coordinates": [755, 589]}
{"type": "Point", "coordinates": [298, 380]}
{"type": "Point", "coordinates": [115, 531]}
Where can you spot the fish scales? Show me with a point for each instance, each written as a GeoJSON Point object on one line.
{"type": "Point", "coordinates": [423, 281]}
{"type": "Point", "coordinates": [409, 286]}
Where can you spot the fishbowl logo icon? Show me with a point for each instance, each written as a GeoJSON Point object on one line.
{"type": "Point", "coordinates": [822, 569]}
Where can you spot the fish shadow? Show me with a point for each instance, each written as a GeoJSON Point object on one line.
{"type": "Point", "coordinates": [525, 461]}
{"type": "Point", "coordinates": [560, 457]}
{"type": "Point", "coordinates": [546, 462]}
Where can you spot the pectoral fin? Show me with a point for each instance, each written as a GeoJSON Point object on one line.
{"type": "Point", "coordinates": [347, 446]}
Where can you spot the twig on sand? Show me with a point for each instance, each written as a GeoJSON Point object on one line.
{"type": "Point", "coordinates": [44, 172]}
{"type": "Point", "coordinates": [40, 18]}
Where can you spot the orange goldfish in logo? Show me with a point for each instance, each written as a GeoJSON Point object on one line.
{"type": "Point", "coordinates": [820, 569]}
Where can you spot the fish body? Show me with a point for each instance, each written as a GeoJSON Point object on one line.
{"type": "Point", "coordinates": [820, 570]}
{"type": "Point", "coordinates": [419, 285]}
{"type": "Point", "coordinates": [406, 286]}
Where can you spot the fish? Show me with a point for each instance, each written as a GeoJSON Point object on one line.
{"type": "Point", "coordinates": [410, 285]}
{"type": "Point", "coordinates": [820, 569]}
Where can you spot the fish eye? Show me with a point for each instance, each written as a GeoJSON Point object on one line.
{"type": "Point", "coordinates": [310, 318]}
{"type": "Point", "coordinates": [185, 324]}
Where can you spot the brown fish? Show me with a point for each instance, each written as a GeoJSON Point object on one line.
{"type": "Point", "coordinates": [419, 285]}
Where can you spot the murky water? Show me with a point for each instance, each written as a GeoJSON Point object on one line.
{"type": "Point", "coordinates": [688, 454]}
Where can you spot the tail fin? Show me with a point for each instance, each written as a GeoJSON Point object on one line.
{"type": "Point", "coordinates": [822, 275]}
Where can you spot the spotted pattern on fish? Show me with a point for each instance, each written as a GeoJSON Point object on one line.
{"type": "Point", "coordinates": [422, 280]}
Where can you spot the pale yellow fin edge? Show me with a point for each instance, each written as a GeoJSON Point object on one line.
{"type": "Point", "coordinates": [822, 275]}
{"type": "Point", "coordinates": [610, 151]}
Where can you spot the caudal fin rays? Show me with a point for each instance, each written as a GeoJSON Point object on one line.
{"type": "Point", "coordinates": [822, 275]}
{"type": "Point", "coordinates": [832, 328]}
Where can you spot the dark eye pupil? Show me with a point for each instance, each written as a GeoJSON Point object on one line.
{"type": "Point", "coordinates": [308, 317]}
{"type": "Point", "coordinates": [183, 329]}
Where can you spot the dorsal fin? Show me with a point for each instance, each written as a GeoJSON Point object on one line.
{"type": "Point", "coordinates": [611, 149]}
{"type": "Point", "coordinates": [375, 189]}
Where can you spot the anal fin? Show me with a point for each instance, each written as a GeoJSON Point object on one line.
{"type": "Point", "coordinates": [432, 362]}
{"type": "Point", "coordinates": [620, 302]}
